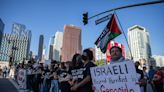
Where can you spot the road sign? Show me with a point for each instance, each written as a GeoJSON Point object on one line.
{"type": "Point", "coordinates": [103, 19]}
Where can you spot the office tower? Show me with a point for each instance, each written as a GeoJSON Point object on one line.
{"type": "Point", "coordinates": [14, 46]}
{"type": "Point", "coordinates": [138, 38]}
{"type": "Point", "coordinates": [50, 48]}
{"type": "Point", "coordinates": [71, 42]}
{"type": "Point", "coordinates": [40, 49]}
{"type": "Point", "coordinates": [20, 30]}
{"type": "Point", "coordinates": [55, 46]}
{"type": "Point", "coordinates": [29, 34]}
{"type": "Point", "coordinates": [50, 55]}
{"type": "Point", "coordinates": [1, 30]}
{"type": "Point", "coordinates": [58, 41]}
{"type": "Point", "coordinates": [159, 60]}
{"type": "Point", "coordinates": [99, 54]}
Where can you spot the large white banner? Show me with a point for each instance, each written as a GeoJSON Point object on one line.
{"type": "Point", "coordinates": [119, 77]}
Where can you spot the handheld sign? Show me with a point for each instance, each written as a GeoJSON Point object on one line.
{"type": "Point", "coordinates": [119, 77]}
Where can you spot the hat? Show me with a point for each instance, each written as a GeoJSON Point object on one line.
{"type": "Point", "coordinates": [159, 73]}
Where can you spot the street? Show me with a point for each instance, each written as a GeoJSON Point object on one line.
{"type": "Point", "coordinates": [6, 86]}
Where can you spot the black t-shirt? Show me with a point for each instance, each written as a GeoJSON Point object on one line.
{"type": "Point", "coordinates": [82, 74]}
{"type": "Point", "coordinates": [63, 73]}
{"type": "Point", "coordinates": [77, 74]}
{"type": "Point", "coordinates": [64, 86]}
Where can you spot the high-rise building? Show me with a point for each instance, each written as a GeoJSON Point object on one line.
{"type": "Point", "coordinates": [50, 48]}
{"type": "Point", "coordinates": [71, 42]}
{"type": "Point", "coordinates": [1, 30]}
{"type": "Point", "coordinates": [57, 46]}
{"type": "Point", "coordinates": [99, 54]}
{"type": "Point", "coordinates": [40, 49]}
{"type": "Point", "coordinates": [139, 43]}
{"type": "Point", "coordinates": [159, 60]}
{"type": "Point", "coordinates": [14, 46]}
{"type": "Point", "coordinates": [20, 30]}
{"type": "Point", "coordinates": [29, 43]}
{"type": "Point", "coordinates": [50, 55]}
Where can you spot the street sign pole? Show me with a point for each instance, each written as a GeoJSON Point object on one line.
{"type": "Point", "coordinates": [103, 19]}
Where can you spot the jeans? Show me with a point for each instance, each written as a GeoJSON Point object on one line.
{"type": "Point", "coordinates": [54, 86]}
{"type": "Point", "coordinates": [44, 86]}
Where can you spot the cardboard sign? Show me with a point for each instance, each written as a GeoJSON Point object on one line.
{"type": "Point", "coordinates": [22, 78]}
{"type": "Point", "coordinates": [119, 77]}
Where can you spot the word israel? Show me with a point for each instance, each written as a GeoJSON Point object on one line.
{"type": "Point", "coordinates": [110, 70]}
{"type": "Point", "coordinates": [118, 77]}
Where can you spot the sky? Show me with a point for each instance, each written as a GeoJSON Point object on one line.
{"type": "Point", "coordinates": [49, 16]}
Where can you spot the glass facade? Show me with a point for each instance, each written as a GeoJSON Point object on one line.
{"type": "Point", "coordinates": [139, 43]}
{"type": "Point", "coordinates": [14, 46]}
{"type": "Point", "coordinates": [1, 30]}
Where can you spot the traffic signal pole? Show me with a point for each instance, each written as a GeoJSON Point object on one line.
{"type": "Point", "coordinates": [129, 6]}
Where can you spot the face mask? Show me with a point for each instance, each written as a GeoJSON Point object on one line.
{"type": "Point", "coordinates": [84, 58]}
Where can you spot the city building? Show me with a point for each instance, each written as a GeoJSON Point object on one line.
{"type": "Point", "coordinates": [1, 30]}
{"type": "Point", "coordinates": [71, 42]}
{"type": "Point", "coordinates": [50, 48]}
{"type": "Point", "coordinates": [57, 46]}
{"type": "Point", "coordinates": [20, 30]}
{"type": "Point", "coordinates": [50, 55]}
{"type": "Point", "coordinates": [99, 55]}
{"type": "Point", "coordinates": [14, 47]}
{"type": "Point", "coordinates": [159, 60]}
{"type": "Point", "coordinates": [41, 46]}
{"type": "Point", "coordinates": [138, 38]}
{"type": "Point", "coordinates": [29, 34]}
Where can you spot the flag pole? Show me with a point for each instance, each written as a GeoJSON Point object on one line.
{"type": "Point", "coordinates": [124, 35]}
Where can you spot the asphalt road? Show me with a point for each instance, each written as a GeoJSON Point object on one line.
{"type": "Point", "coordinates": [6, 86]}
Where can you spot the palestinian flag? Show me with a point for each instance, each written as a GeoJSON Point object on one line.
{"type": "Point", "coordinates": [110, 32]}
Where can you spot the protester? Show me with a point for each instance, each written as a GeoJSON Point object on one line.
{"type": "Point", "coordinates": [76, 73]}
{"type": "Point", "coordinates": [0, 71]}
{"type": "Point", "coordinates": [4, 70]}
{"type": "Point", "coordinates": [65, 77]}
{"type": "Point", "coordinates": [45, 84]}
{"type": "Point", "coordinates": [38, 73]}
{"type": "Point", "coordinates": [54, 78]}
{"type": "Point", "coordinates": [12, 72]}
{"type": "Point", "coordinates": [85, 85]}
{"type": "Point", "coordinates": [116, 55]}
{"type": "Point", "coordinates": [151, 73]}
{"type": "Point", "coordinates": [146, 77]}
{"type": "Point", "coordinates": [158, 81]}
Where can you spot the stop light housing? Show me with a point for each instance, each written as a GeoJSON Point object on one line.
{"type": "Point", "coordinates": [85, 18]}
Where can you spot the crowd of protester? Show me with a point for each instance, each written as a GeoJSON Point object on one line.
{"type": "Point", "coordinates": [74, 76]}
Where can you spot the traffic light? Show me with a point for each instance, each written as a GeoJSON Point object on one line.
{"type": "Point", "coordinates": [85, 18]}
